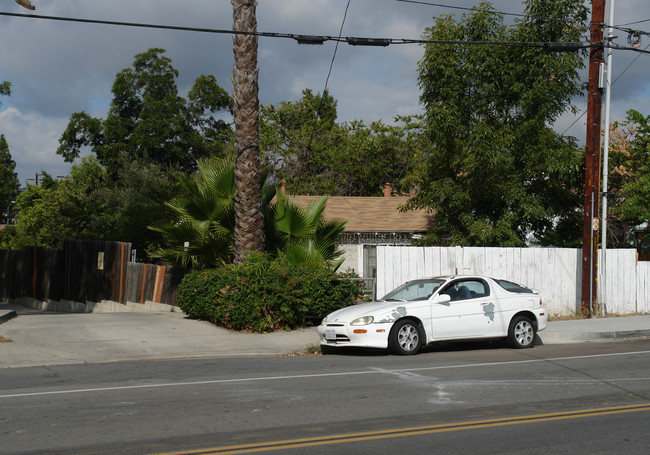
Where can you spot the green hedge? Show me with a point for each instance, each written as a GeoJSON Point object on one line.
{"type": "Point", "coordinates": [264, 294]}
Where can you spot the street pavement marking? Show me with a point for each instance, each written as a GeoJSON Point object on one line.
{"type": "Point", "coordinates": [311, 376]}
{"type": "Point", "coordinates": [413, 431]}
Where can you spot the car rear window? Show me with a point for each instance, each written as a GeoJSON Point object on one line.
{"type": "Point", "coordinates": [513, 287]}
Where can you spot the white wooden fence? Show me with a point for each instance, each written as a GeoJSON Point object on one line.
{"type": "Point", "coordinates": [555, 272]}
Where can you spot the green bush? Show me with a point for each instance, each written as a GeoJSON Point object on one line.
{"type": "Point", "coordinates": [264, 294]}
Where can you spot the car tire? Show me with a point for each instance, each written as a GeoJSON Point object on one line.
{"type": "Point", "coordinates": [327, 350]}
{"type": "Point", "coordinates": [405, 337]}
{"type": "Point", "coordinates": [521, 333]}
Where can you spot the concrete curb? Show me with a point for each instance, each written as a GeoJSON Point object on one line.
{"type": "Point", "coordinates": [6, 315]}
{"type": "Point", "coordinates": [105, 306]}
{"type": "Point", "coordinates": [579, 337]}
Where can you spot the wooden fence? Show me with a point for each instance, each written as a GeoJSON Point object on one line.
{"type": "Point", "coordinates": [85, 271]}
{"type": "Point", "coordinates": [555, 272]}
{"type": "Point", "coordinates": [93, 271]}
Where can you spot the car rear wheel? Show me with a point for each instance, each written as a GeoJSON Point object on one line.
{"type": "Point", "coordinates": [405, 337]}
{"type": "Point", "coordinates": [521, 333]}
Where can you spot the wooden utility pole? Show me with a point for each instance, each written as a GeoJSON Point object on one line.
{"type": "Point", "coordinates": [592, 162]}
{"type": "Point", "coordinates": [249, 219]}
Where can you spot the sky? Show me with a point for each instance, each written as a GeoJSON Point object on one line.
{"type": "Point", "coordinates": [59, 68]}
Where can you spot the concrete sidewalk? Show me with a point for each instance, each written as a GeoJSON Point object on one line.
{"type": "Point", "coordinates": [48, 338]}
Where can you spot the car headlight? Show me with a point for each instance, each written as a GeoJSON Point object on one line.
{"type": "Point", "coordinates": [365, 320]}
{"type": "Point", "coordinates": [324, 321]}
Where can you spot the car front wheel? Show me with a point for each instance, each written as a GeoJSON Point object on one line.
{"type": "Point", "coordinates": [521, 333]}
{"type": "Point", "coordinates": [405, 338]}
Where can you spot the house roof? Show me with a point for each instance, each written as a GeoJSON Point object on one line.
{"type": "Point", "coordinates": [372, 214]}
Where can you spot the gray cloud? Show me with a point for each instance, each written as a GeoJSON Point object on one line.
{"type": "Point", "coordinates": [58, 68]}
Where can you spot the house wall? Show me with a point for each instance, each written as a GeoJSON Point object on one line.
{"type": "Point", "coordinates": [351, 258]}
{"type": "Point", "coordinates": [555, 272]}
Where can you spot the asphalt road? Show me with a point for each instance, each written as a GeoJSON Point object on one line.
{"type": "Point", "coordinates": [478, 398]}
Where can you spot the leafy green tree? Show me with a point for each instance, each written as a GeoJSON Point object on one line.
{"type": "Point", "coordinates": [5, 89]}
{"type": "Point", "coordinates": [630, 171]}
{"type": "Point", "coordinates": [149, 121]}
{"type": "Point", "coordinates": [305, 146]}
{"type": "Point", "coordinates": [39, 216]}
{"type": "Point", "coordinates": [294, 138]}
{"type": "Point", "coordinates": [135, 199]}
{"type": "Point", "coordinates": [371, 156]}
{"type": "Point", "coordinates": [199, 233]}
{"type": "Point", "coordinates": [9, 184]}
{"type": "Point", "coordinates": [497, 170]}
{"type": "Point", "coordinates": [89, 205]}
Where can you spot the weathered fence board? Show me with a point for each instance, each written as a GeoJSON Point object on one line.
{"type": "Point", "coordinates": [619, 287]}
{"type": "Point", "coordinates": [85, 271]}
{"type": "Point", "coordinates": [95, 270]}
{"type": "Point", "coordinates": [15, 273]}
{"type": "Point", "coordinates": [643, 287]}
{"type": "Point", "coordinates": [555, 272]}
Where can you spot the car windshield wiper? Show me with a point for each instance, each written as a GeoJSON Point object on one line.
{"type": "Point", "coordinates": [394, 300]}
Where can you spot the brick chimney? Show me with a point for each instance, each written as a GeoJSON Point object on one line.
{"type": "Point", "coordinates": [387, 190]}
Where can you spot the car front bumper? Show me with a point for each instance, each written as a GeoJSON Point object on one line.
{"type": "Point", "coordinates": [362, 336]}
{"type": "Point", "coordinates": [542, 319]}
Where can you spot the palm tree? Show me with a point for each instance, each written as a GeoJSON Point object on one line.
{"type": "Point", "coordinates": [249, 220]}
{"type": "Point", "coordinates": [200, 231]}
{"type": "Point", "coordinates": [304, 235]}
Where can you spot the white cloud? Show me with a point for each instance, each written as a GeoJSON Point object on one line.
{"type": "Point", "coordinates": [33, 140]}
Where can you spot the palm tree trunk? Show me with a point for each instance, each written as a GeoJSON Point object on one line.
{"type": "Point", "coordinates": [249, 221]}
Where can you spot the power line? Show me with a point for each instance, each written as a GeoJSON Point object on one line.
{"type": "Point", "coordinates": [489, 11]}
{"type": "Point", "coordinates": [627, 29]}
{"type": "Point", "coordinates": [320, 39]}
{"type": "Point", "coordinates": [613, 82]}
{"type": "Point", "coordinates": [628, 66]}
{"type": "Point", "coordinates": [633, 23]}
{"type": "Point", "coordinates": [313, 39]}
{"type": "Point", "coordinates": [336, 48]}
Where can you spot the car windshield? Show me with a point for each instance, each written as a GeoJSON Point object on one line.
{"type": "Point", "coordinates": [414, 290]}
{"type": "Point", "coordinates": [513, 287]}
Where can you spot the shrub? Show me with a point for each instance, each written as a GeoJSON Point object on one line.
{"type": "Point", "coordinates": [264, 294]}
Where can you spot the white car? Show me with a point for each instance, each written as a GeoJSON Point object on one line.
{"type": "Point", "coordinates": [427, 310]}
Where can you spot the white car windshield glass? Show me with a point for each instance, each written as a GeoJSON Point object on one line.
{"type": "Point", "coordinates": [414, 290]}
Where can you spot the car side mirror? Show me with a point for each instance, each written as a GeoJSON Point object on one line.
{"type": "Point", "coordinates": [442, 298]}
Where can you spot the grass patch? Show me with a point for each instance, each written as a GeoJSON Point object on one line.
{"type": "Point", "coordinates": [314, 349]}
{"type": "Point", "coordinates": [4, 340]}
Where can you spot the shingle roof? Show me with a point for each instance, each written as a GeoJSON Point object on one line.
{"type": "Point", "coordinates": [372, 214]}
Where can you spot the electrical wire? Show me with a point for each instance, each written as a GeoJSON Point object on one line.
{"type": "Point", "coordinates": [322, 97]}
{"type": "Point", "coordinates": [336, 48]}
{"type": "Point", "coordinates": [632, 23]}
{"type": "Point", "coordinates": [628, 66]}
{"type": "Point", "coordinates": [313, 39]}
{"type": "Point", "coordinates": [464, 8]}
{"type": "Point", "coordinates": [613, 82]}
{"type": "Point", "coordinates": [627, 29]}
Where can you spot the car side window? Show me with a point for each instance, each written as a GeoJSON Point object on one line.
{"type": "Point", "coordinates": [467, 289]}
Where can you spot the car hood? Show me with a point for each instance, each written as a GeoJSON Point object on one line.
{"type": "Point", "coordinates": [349, 314]}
